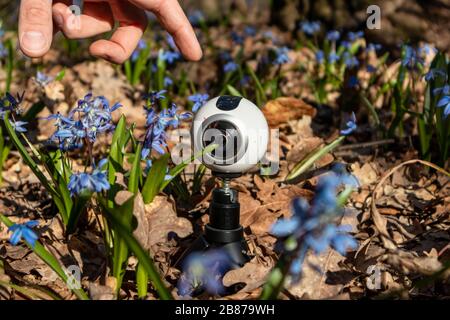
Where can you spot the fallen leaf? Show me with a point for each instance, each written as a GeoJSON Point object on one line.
{"type": "Point", "coordinates": [253, 274]}
{"type": "Point", "coordinates": [163, 219]}
{"type": "Point", "coordinates": [282, 109]}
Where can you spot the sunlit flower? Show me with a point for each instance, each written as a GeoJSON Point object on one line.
{"type": "Point", "coordinates": [199, 100]}
{"type": "Point", "coordinates": [350, 126]}
{"type": "Point", "coordinates": [445, 103]}
{"type": "Point", "coordinates": [312, 226]}
{"type": "Point", "coordinates": [42, 79]}
{"type": "Point", "coordinates": [97, 181]}
{"type": "Point", "coordinates": [445, 90]}
{"type": "Point", "coordinates": [412, 58]}
{"type": "Point", "coordinates": [230, 66]}
{"type": "Point", "coordinates": [23, 231]}
{"type": "Point", "coordinates": [354, 36]}
{"type": "Point", "coordinates": [19, 126]}
{"type": "Point", "coordinates": [333, 35]}
{"type": "Point", "coordinates": [281, 56]}
{"type": "Point", "coordinates": [91, 117]}
{"type": "Point", "coordinates": [320, 56]}
{"type": "Point", "coordinates": [433, 74]}
{"type": "Point", "coordinates": [310, 27]}
{"type": "Point", "coordinates": [142, 45]}
{"type": "Point", "coordinates": [204, 271]}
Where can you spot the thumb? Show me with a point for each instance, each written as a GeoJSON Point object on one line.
{"type": "Point", "coordinates": [35, 27]}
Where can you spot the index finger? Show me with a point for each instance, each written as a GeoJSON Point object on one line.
{"type": "Point", "coordinates": [172, 18]}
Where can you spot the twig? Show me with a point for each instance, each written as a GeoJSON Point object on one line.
{"type": "Point", "coordinates": [366, 144]}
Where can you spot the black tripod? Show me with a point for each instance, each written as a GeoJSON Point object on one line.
{"type": "Point", "coordinates": [224, 230]}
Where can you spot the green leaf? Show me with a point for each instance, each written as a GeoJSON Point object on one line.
{"type": "Point", "coordinates": [135, 174]}
{"type": "Point", "coordinates": [311, 158]}
{"type": "Point", "coordinates": [179, 168]}
{"type": "Point", "coordinates": [259, 86]}
{"type": "Point", "coordinates": [78, 207]}
{"type": "Point", "coordinates": [60, 75]}
{"type": "Point", "coordinates": [118, 142]}
{"type": "Point", "coordinates": [9, 64]}
{"type": "Point", "coordinates": [233, 91]}
{"type": "Point", "coordinates": [50, 260]}
{"type": "Point", "coordinates": [155, 178]}
{"type": "Point", "coordinates": [142, 281]}
{"type": "Point", "coordinates": [136, 248]}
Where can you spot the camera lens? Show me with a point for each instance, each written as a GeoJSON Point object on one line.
{"type": "Point", "coordinates": [226, 135]}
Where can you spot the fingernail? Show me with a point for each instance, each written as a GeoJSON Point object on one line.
{"type": "Point", "coordinates": [58, 19]}
{"type": "Point", "coordinates": [33, 41]}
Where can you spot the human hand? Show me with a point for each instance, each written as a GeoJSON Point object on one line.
{"type": "Point", "coordinates": [40, 19]}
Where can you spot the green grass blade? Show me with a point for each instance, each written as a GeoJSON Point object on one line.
{"type": "Point", "coordinates": [142, 281]}
{"type": "Point", "coordinates": [136, 172]}
{"type": "Point", "coordinates": [155, 178]}
{"type": "Point", "coordinates": [233, 91]}
{"type": "Point", "coordinates": [140, 252]}
{"type": "Point", "coordinates": [310, 159]}
{"type": "Point", "coordinates": [179, 168]}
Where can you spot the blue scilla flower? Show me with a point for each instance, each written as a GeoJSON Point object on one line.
{"type": "Point", "coordinates": [281, 56]}
{"type": "Point", "coordinates": [249, 31]}
{"type": "Point", "coordinates": [155, 96]}
{"type": "Point", "coordinates": [230, 66]}
{"type": "Point", "coordinates": [350, 61]}
{"type": "Point", "coordinates": [171, 42]}
{"type": "Point", "coordinates": [333, 35]}
{"type": "Point", "coordinates": [445, 90]}
{"type": "Point", "coordinates": [170, 57]}
{"type": "Point", "coordinates": [350, 126]}
{"type": "Point", "coordinates": [42, 79]}
{"type": "Point", "coordinates": [310, 27]}
{"type": "Point", "coordinates": [373, 47]}
{"type": "Point", "coordinates": [237, 38]}
{"type": "Point", "coordinates": [333, 57]}
{"type": "Point", "coordinates": [97, 181]}
{"type": "Point", "coordinates": [353, 82]}
{"type": "Point", "coordinates": [23, 231]}
{"type": "Point", "coordinates": [176, 118]}
{"type": "Point", "coordinates": [19, 126]}
{"type": "Point", "coordinates": [167, 82]}
{"type": "Point", "coordinates": [312, 226]}
{"type": "Point", "coordinates": [433, 74]}
{"type": "Point", "coordinates": [371, 69]}
{"type": "Point", "coordinates": [199, 100]}
{"type": "Point", "coordinates": [412, 58]}
{"type": "Point", "coordinates": [320, 56]}
{"type": "Point", "coordinates": [204, 271]}
{"type": "Point", "coordinates": [427, 49]}
{"type": "Point", "coordinates": [196, 17]}
{"type": "Point", "coordinates": [92, 116]}
{"type": "Point", "coordinates": [445, 103]}
{"type": "Point", "coordinates": [11, 103]}
{"type": "Point", "coordinates": [354, 36]}
{"type": "Point", "coordinates": [157, 123]}
{"type": "Point", "coordinates": [142, 45]}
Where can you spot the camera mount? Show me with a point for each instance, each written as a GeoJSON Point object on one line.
{"type": "Point", "coordinates": [223, 231]}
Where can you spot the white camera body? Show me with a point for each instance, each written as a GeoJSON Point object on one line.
{"type": "Point", "coordinates": [238, 127]}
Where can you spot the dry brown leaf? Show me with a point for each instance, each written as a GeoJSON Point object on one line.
{"type": "Point", "coordinates": [282, 109]}
{"type": "Point", "coordinates": [253, 274]}
{"type": "Point", "coordinates": [330, 281]}
{"type": "Point", "coordinates": [163, 219]}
